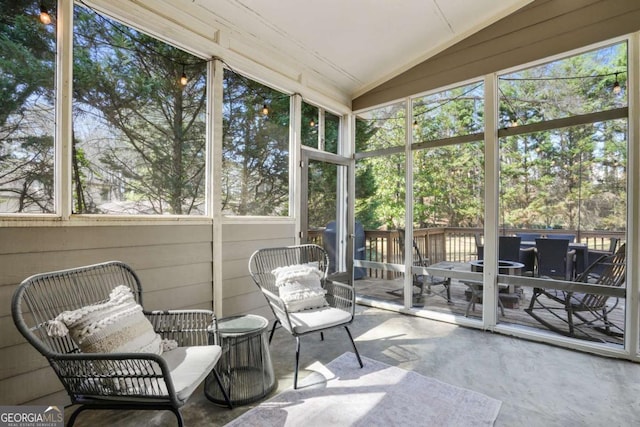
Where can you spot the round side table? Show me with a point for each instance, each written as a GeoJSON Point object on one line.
{"type": "Point", "coordinates": [245, 366]}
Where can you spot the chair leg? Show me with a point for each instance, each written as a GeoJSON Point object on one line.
{"type": "Point", "coordinates": [570, 320]}
{"type": "Point", "coordinates": [295, 374]}
{"type": "Point", "coordinates": [224, 392]}
{"type": "Point", "coordinates": [75, 414]}
{"type": "Point", "coordinates": [273, 329]}
{"type": "Point", "coordinates": [178, 416]}
{"type": "Point", "coordinates": [354, 346]}
{"type": "Point", "coordinates": [534, 297]}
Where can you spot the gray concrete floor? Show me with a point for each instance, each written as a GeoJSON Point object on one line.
{"type": "Point", "coordinates": [538, 384]}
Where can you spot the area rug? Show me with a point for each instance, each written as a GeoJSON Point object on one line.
{"type": "Point", "coordinates": [342, 394]}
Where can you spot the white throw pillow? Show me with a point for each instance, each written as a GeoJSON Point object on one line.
{"type": "Point", "coordinates": [115, 326]}
{"type": "Point", "coordinates": [299, 287]}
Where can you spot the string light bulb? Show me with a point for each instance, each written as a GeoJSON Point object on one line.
{"type": "Point", "coordinates": [45, 18]}
{"type": "Point", "coordinates": [415, 125]}
{"type": "Point", "coordinates": [265, 110]}
{"type": "Point", "coordinates": [183, 78]}
{"type": "Point", "coordinates": [312, 123]}
{"type": "Point", "coordinates": [616, 86]}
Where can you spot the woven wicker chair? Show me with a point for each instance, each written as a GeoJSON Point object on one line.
{"type": "Point", "coordinates": [340, 297]}
{"type": "Point", "coordinates": [115, 380]}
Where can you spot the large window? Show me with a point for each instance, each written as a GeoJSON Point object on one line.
{"type": "Point", "coordinates": [255, 148]}
{"type": "Point", "coordinates": [446, 187]}
{"type": "Point", "coordinates": [563, 175]}
{"type": "Point", "coordinates": [27, 115]}
{"type": "Point", "coordinates": [139, 131]}
{"type": "Point", "coordinates": [138, 144]}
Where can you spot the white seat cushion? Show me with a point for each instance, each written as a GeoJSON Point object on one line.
{"type": "Point", "coordinates": [320, 318]}
{"type": "Point", "coordinates": [189, 366]}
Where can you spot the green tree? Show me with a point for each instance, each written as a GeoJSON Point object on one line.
{"type": "Point", "coordinates": [27, 64]}
{"type": "Point", "coordinates": [131, 82]}
{"type": "Point", "coordinates": [553, 178]}
{"type": "Point", "coordinates": [255, 148]}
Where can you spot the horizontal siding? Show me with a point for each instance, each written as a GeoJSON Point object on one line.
{"type": "Point", "coordinates": [539, 30]}
{"type": "Point", "coordinates": [18, 389]}
{"type": "Point", "coordinates": [174, 263]}
{"type": "Point", "coordinates": [239, 241]}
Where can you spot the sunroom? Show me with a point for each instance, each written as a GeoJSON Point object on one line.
{"type": "Point", "coordinates": [180, 137]}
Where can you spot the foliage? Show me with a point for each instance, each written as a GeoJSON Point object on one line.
{"type": "Point", "coordinates": [560, 178]}
{"type": "Point", "coordinates": [152, 154]}
{"type": "Point", "coordinates": [27, 64]}
{"type": "Point", "coordinates": [255, 148]}
{"type": "Point", "coordinates": [569, 177]}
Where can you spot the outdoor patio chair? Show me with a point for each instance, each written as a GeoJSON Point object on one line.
{"type": "Point", "coordinates": [509, 248]}
{"type": "Point", "coordinates": [293, 280]}
{"type": "Point", "coordinates": [590, 310]}
{"type": "Point", "coordinates": [527, 256]}
{"type": "Point", "coordinates": [423, 283]}
{"type": "Point", "coordinates": [554, 259]}
{"type": "Point", "coordinates": [594, 255]}
{"type": "Point", "coordinates": [105, 349]}
{"type": "Point", "coordinates": [478, 239]}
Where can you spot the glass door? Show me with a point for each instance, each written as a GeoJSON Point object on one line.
{"type": "Point", "coordinates": [324, 212]}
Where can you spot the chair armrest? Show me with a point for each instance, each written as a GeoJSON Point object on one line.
{"type": "Point", "coordinates": [187, 327]}
{"type": "Point", "coordinates": [139, 375]}
{"type": "Point", "coordinates": [278, 307]}
{"type": "Point", "coordinates": [340, 295]}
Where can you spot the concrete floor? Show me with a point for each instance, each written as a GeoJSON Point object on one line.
{"type": "Point", "coordinates": [538, 384]}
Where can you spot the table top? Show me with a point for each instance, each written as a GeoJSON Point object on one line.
{"type": "Point", "coordinates": [501, 264]}
{"type": "Point", "coordinates": [571, 244]}
{"type": "Point", "coordinates": [240, 325]}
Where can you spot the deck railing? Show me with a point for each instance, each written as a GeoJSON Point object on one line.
{"type": "Point", "coordinates": [449, 244]}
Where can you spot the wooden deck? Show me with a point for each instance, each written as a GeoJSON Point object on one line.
{"type": "Point", "coordinates": [381, 290]}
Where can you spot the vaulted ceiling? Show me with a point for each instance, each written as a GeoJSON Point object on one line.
{"type": "Point", "coordinates": [342, 47]}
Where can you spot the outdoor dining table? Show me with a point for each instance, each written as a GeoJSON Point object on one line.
{"type": "Point", "coordinates": [458, 270]}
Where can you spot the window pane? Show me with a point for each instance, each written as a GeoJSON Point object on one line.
{"type": "Point", "coordinates": [571, 178]}
{"type": "Point", "coordinates": [385, 127]}
{"type": "Point", "coordinates": [448, 187]}
{"type": "Point", "coordinates": [568, 87]}
{"type": "Point", "coordinates": [380, 199]}
{"type": "Point", "coordinates": [450, 113]}
{"type": "Point", "coordinates": [331, 132]}
{"type": "Point", "coordinates": [139, 133]}
{"type": "Point", "coordinates": [27, 115]}
{"type": "Point", "coordinates": [255, 148]}
{"type": "Point", "coordinates": [322, 194]}
{"type": "Point", "coordinates": [570, 184]}
{"type": "Point", "coordinates": [309, 128]}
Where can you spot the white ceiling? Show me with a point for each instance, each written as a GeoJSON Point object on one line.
{"type": "Point", "coordinates": [343, 46]}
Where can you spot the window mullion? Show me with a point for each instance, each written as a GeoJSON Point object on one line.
{"type": "Point", "coordinates": [64, 111]}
